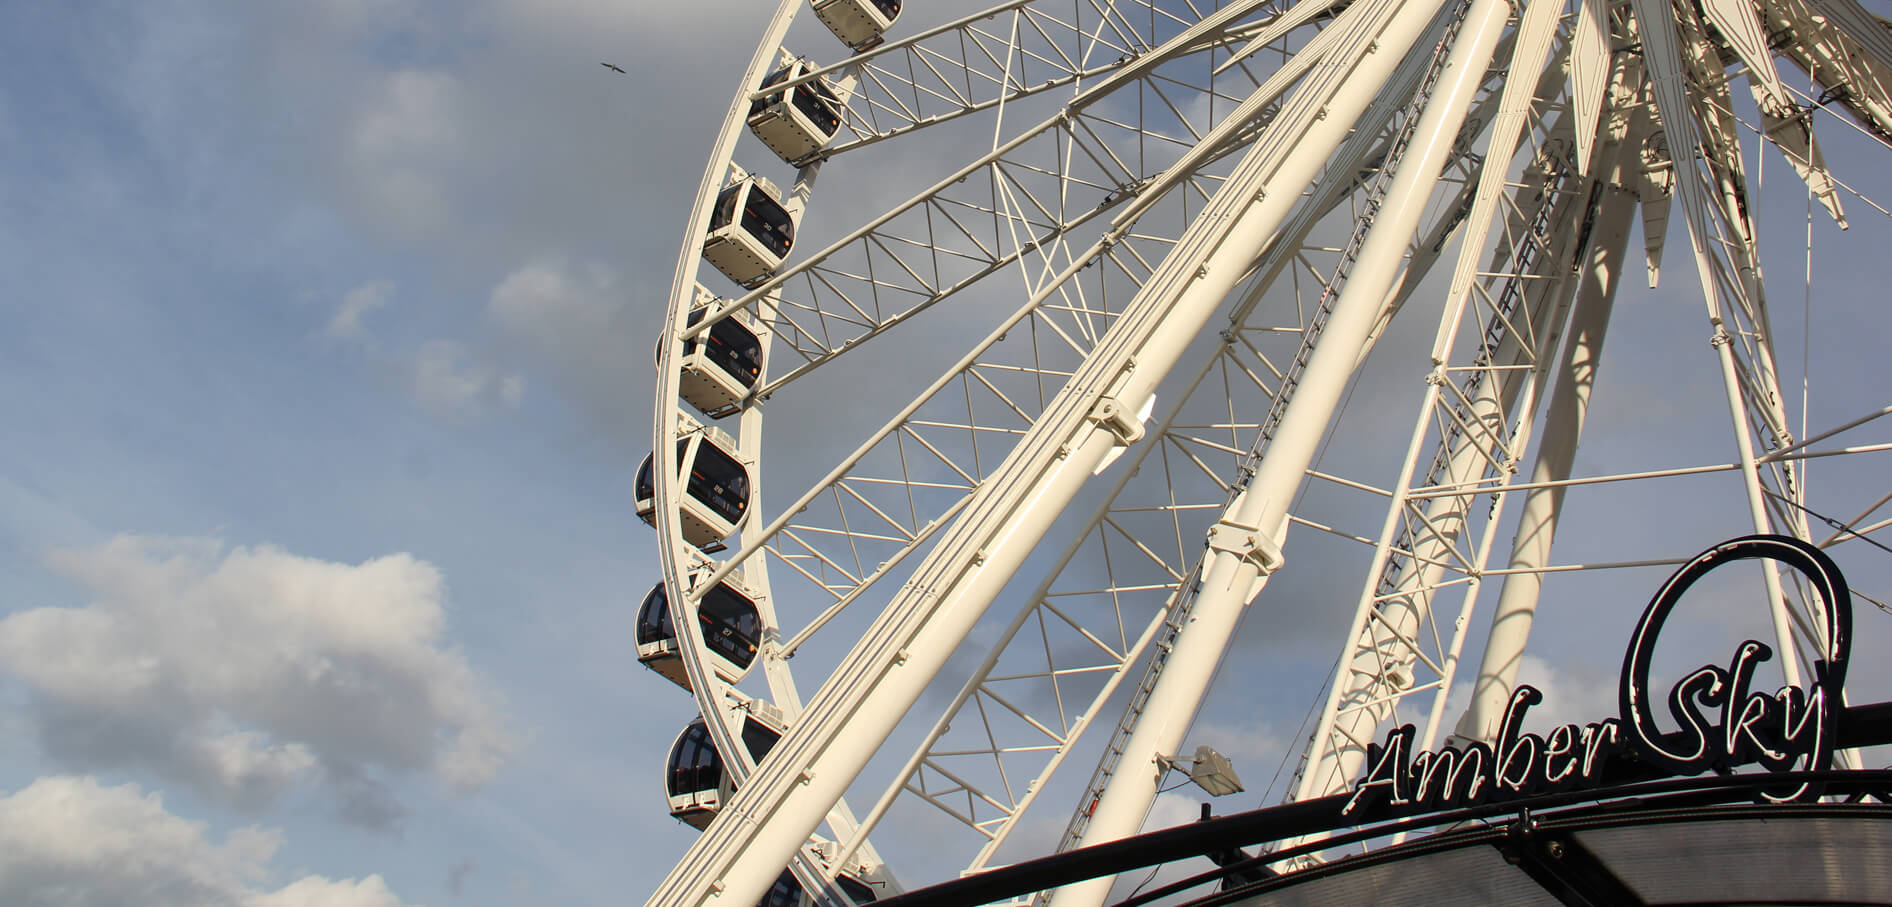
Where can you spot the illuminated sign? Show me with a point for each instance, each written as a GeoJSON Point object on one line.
{"type": "Point", "coordinates": [1721, 722]}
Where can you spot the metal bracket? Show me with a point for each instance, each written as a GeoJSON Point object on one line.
{"type": "Point", "coordinates": [1559, 862]}
{"type": "Point", "coordinates": [1249, 543]}
{"type": "Point", "coordinates": [1112, 416]}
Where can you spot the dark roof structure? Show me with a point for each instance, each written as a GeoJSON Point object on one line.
{"type": "Point", "coordinates": [1682, 841]}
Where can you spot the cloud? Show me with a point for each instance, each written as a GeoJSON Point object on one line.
{"type": "Point", "coordinates": [573, 318]}
{"type": "Point", "coordinates": [451, 384]}
{"type": "Point", "coordinates": [68, 840]}
{"type": "Point", "coordinates": [244, 672]}
{"type": "Point", "coordinates": [356, 303]}
{"type": "Point", "coordinates": [316, 891]}
{"type": "Point", "coordinates": [561, 308]}
{"type": "Point", "coordinates": [1573, 694]}
{"type": "Point", "coordinates": [402, 142]}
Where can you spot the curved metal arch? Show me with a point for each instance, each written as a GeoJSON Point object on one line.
{"type": "Point", "coordinates": [720, 700]}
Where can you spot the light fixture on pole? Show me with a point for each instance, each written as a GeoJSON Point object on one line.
{"type": "Point", "coordinates": [1210, 770]}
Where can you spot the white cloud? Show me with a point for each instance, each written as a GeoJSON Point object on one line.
{"type": "Point", "coordinates": [243, 672]}
{"type": "Point", "coordinates": [70, 841]}
{"type": "Point", "coordinates": [450, 383]}
{"type": "Point", "coordinates": [558, 306]}
{"type": "Point", "coordinates": [401, 143]}
{"type": "Point", "coordinates": [315, 891]}
{"type": "Point", "coordinates": [1172, 809]}
{"type": "Point", "coordinates": [576, 319]}
{"type": "Point", "coordinates": [1572, 695]}
{"type": "Point", "coordinates": [356, 303]}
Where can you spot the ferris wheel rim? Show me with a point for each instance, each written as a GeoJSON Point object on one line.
{"type": "Point", "coordinates": [703, 681]}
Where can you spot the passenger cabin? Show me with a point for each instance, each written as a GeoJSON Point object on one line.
{"type": "Point", "coordinates": [787, 892]}
{"type": "Point", "coordinates": [749, 231]}
{"type": "Point", "coordinates": [715, 494]}
{"type": "Point", "coordinates": [696, 779]}
{"type": "Point", "coordinates": [799, 121]}
{"type": "Point", "coordinates": [858, 23]}
{"type": "Point", "coordinates": [727, 618]}
{"type": "Point", "coordinates": [721, 365]}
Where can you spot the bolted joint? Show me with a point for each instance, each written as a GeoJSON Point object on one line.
{"type": "Point", "coordinates": [1246, 542]}
{"type": "Point", "coordinates": [1113, 416]}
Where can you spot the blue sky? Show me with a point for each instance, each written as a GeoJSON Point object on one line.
{"type": "Point", "coordinates": [325, 370]}
{"type": "Point", "coordinates": [333, 297]}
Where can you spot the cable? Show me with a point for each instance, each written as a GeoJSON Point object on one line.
{"type": "Point", "coordinates": [1146, 879]}
{"type": "Point", "coordinates": [1320, 699]}
{"type": "Point", "coordinates": [1842, 527]}
{"type": "Point", "coordinates": [1836, 524]}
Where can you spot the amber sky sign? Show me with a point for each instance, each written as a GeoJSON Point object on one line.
{"type": "Point", "coordinates": [1720, 721]}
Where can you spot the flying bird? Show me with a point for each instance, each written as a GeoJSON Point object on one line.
{"type": "Point", "coordinates": [614, 67]}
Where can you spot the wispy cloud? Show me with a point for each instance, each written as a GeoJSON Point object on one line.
{"type": "Point", "coordinates": [355, 303]}
{"type": "Point", "coordinates": [450, 383]}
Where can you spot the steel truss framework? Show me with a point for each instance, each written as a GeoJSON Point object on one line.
{"type": "Point", "coordinates": [1133, 315]}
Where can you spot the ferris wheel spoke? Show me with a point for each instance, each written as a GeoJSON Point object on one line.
{"type": "Point", "coordinates": [1008, 53]}
{"type": "Point", "coordinates": [1089, 216]}
{"type": "Point", "coordinates": [1001, 390]}
{"type": "Point", "coordinates": [1712, 188]}
{"type": "Point", "coordinates": [960, 54]}
{"type": "Point", "coordinates": [1841, 43]}
{"type": "Point", "coordinates": [1480, 414]}
{"type": "Point", "coordinates": [1078, 651]}
{"type": "Point", "coordinates": [1054, 178]}
{"type": "Point", "coordinates": [1264, 166]}
{"type": "Point", "coordinates": [1410, 578]}
{"type": "Point", "coordinates": [1186, 517]}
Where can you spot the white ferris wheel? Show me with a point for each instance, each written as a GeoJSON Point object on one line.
{"type": "Point", "coordinates": [1111, 327]}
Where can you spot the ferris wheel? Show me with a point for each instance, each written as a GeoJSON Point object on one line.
{"type": "Point", "coordinates": [1083, 334]}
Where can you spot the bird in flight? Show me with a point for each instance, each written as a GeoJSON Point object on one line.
{"type": "Point", "coordinates": [614, 67]}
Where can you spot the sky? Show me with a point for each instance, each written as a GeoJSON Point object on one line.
{"type": "Point", "coordinates": [325, 372]}
{"type": "Point", "coordinates": [315, 533]}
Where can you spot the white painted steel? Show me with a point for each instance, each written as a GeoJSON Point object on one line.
{"type": "Point", "coordinates": [1259, 516]}
{"type": "Point", "coordinates": [1516, 608]}
{"type": "Point", "coordinates": [1252, 108]}
{"type": "Point", "coordinates": [1729, 272]}
{"type": "Point", "coordinates": [727, 703]}
{"type": "Point", "coordinates": [920, 628]}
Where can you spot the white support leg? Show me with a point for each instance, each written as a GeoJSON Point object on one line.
{"type": "Point", "coordinates": [1233, 576]}
{"type": "Point", "coordinates": [1569, 403]}
{"type": "Point", "coordinates": [739, 856]}
{"type": "Point", "coordinates": [1468, 59]}
{"type": "Point", "coordinates": [1667, 74]}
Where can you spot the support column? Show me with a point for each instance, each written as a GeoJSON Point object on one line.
{"type": "Point", "coordinates": [769, 819]}
{"type": "Point", "coordinates": [1235, 573]}
{"type": "Point", "coordinates": [1569, 403]}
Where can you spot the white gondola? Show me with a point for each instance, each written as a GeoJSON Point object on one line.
{"type": "Point", "coordinates": [695, 779]}
{"type": "Point", "coordinates": [797, 122]}
{"type": "Point", "coordinates": [715, 496]}
{"type": "Point", "coordinates": [750, 232]}
{"type": "Point", "coordinates": [858, 23]}
{"type": "Point", "coordinates": [716, 375]}
{"type": "Point", "coordinates": [721, 365]}
{"type": "Point", "coordinates": [730, 624]}
{"type": "Point", "coordinates": [657, 646]}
